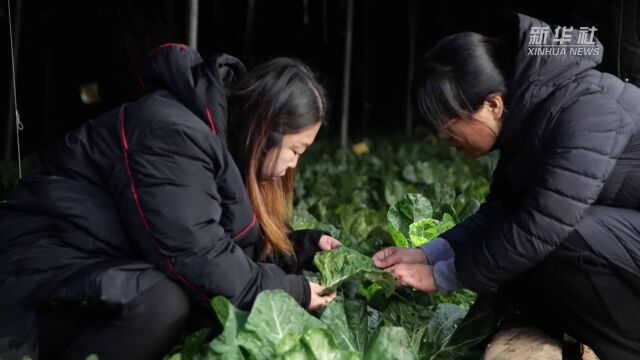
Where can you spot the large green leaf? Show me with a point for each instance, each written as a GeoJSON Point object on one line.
{"type": "Point", "coordinates": [336, 319]}
{"type": "Point", "coordinates": [357, 319]}
{"type": "Point", "coordinates": [424, 231]}
{"type": "Point", "coordinates": [226, 346]}
{"type": "Point", "coordinates": [291, 347]}
{"type": "Point", "coordinates": [476, 328]}
{"type": "Point", "coordinates": [444, 322]}
{"type": "Point", "coordinates": [321, 343]}
{"type": "Point", "coordinates": [440, 329]}
{"type": "Point", "coordinates": [389, 343]}
{"type": "Point", "coordinates": [345, 264]}
{"type": "Point", "coordinates": [410, 316]}
{"type": "Point", "coordinates": [316, 344]}
{"type": "Point", "coordinates": [274, 315]}
{"type": "Point", "coordinates": [410, 209]}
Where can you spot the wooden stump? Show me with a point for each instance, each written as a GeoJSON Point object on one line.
{"type": "Point", "coordinates": [523, 343]}
{"type": "Point", "coordinates": [528, 343]}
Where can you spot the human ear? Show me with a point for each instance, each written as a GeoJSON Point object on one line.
{"type": "Point", "coordinates": [495, 104]}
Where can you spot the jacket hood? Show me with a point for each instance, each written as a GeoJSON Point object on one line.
{"type": "Point", "coordinates": [197, 83]}
{"type": "Point", "coordinates": [538, 74]}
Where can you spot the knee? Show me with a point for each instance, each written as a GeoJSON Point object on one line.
{"type": "Point", "coordinates": [566, 260]}
{"type": "Point", "coordinates": [165, 304]}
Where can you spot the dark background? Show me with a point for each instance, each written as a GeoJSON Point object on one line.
{"type": "Point", "coordinates": [63, 44]}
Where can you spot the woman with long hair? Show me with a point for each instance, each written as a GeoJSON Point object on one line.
{"type": "Point", "coordinates": [142, 215]}
{"type": "Point", "coordinates": [558, 235]}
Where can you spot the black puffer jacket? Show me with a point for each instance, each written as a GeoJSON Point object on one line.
{"type": "Point", "coordinates": [149, 185]}
{"type": "Point", "coordinates": [570, 160]}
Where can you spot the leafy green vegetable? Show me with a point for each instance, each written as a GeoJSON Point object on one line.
{"type": "Point", "coordinates": [226, 346]}
{"type": "Point", "coordinates": [274, 315]}
{"type": "Point", "coordinates": [410, 209]}
{"type": "Point", "coordinates": [290, 347]}
{"type": "Point", "coordinates": [321, 343]}
{"type": "Point", "coordinates": [389, 343]}
{"type": "Point", "coordinates": [423, 231]}
{"type": "Point", "coordinates": [358, 321]}
{"type": "Point", "coordinates": [336, 319]}
{"type": "Point", "coordinates": [344, 264]}
{"type": "Point", "coordinates": [410, 316]}
{"type": "Point", "coordinates": [317, 344]}
{"type": "Point", "coordinates": [441, 328]}
{"type": "Point", "coordinates": [476, 327]}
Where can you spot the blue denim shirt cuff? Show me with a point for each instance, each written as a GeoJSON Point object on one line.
{"type": "Point", "coordinates": [446, 277]}
{"type": "Point", "coordinates": [437, 250]}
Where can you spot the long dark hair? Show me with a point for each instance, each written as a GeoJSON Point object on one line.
{"type": "Point", "coordinates": [278, 97]}
{"type": "Point", "coordinates": [455, 77]}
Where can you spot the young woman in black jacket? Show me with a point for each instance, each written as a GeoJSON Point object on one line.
{"type": "Point", "coordinates": [142, 215]}
{"type": "Point", "coordinates": [559, 233]}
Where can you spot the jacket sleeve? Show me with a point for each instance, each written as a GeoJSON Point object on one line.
{"type": "Point", "coordinates": [305, 247]}
{"type": "Point", "coordinates": [489, 214]}
{"type": "Point", "coordinates": [173, 207]}
{"type": "Point", "coordinates": [580, 153]}
{"type": "Point", "coordinates": [305, 244]}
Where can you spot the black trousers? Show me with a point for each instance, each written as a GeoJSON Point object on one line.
{"type": "Point", "coordinates": [147, 327]}
{"type": "Point", "coordinates": [577, 292]}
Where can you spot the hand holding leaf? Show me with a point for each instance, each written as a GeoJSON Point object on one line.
{"type": "Point", "coordinates": [328, 243]}
{"type": "Point", "coordinates": [417, 276]}
{"type": "Point", "coordinates": [395, 255]}
{"type": "Point", "coordinates": [319, 301]}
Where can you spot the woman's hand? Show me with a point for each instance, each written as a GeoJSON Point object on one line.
{"type": "Point", "coordinates": [394, 255]}
{"type": "Point", "coordinates": [318, 301]}
{"type": "Point", "coordinates": [417, 276]}
{"type": "Point", "coordinates": [328, 243]}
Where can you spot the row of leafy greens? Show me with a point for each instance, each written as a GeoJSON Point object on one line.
{"type": "Point", "coordinates": [398, 194]}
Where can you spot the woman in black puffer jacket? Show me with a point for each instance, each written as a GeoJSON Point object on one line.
{"type": "Point", "coordinates": [559, 233]}
{"type": "Point", "coordinates": [175, 197]}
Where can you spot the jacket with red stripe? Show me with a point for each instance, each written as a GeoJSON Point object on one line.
{"type": "Point", "coordinates": [149, 185]}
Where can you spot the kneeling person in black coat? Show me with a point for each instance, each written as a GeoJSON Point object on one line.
{"type": "Point", "coordinates": [559, 233]}
{"type": "Point", "coordinates": [142, 215]}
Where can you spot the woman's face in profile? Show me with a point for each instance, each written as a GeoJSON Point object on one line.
{"type": "Point", "coordinates": [278, 160]}
{"type": "Point", "coordinates": [476, 136]}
